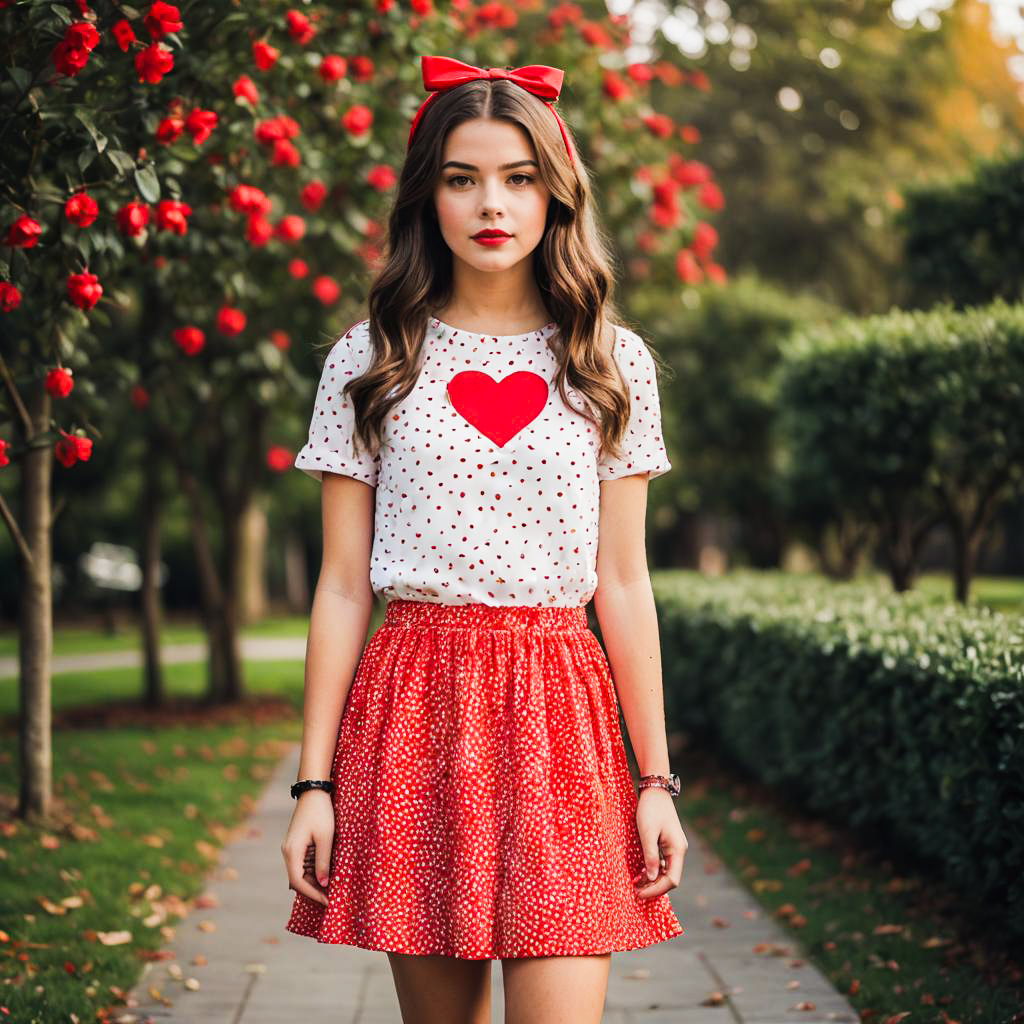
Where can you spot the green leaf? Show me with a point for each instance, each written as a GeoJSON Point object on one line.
{"type": "Point", "coordinates": [121, 160]}
{"type": "Point", "coordinates": [97, 136]}
{"type": "Point", "coordinates": [20, 77]}
{"type": "Point", "coordinates": [62, 13]}
{"type": "Point", "coordinates": [148, 184]}
{"type": "Point", "coordinates": [85, 158]}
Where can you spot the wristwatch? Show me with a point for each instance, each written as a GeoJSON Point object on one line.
{"type": "Point", "coordinates": [670, 783]}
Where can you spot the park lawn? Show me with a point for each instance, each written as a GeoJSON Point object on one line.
{"type": "Point", "coordinates": [143, 812]}
{"type": "Point", "coordinates": [891, 939]}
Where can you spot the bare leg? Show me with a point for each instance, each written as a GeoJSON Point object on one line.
{"type": "Point", "coordinates": [555, 989]}
{"type": "Point", "coordinates": [442, 989]}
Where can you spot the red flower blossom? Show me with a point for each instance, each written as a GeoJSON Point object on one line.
{"type": "Point", "coordinates": [81, 209]}
{"type": "Point", "coordinates": [4, 460]}
{"type": "Point", "coordinates": [692, 172]}
{"type": "Point", "coordinates": [687, 267]}
{"type": "Point", "coordinates": [615, 87]}
{"type": "Point", "coordinates": [362, 69]}
{"type": "Point", "coordinates": [72, 448]}
{"type": "Point", "coordinates": [230, 321]}
{"type": "Point", "coordinates": [249, 199]}
{"type": "Point", "coordinates": [169, 130]}
{"type": "Point", "coordinates": [710, 196]}
{"type": "Point", "coordinates": [332, 67]}
{"type": "Point", "coordinates": [124, 34]}
{"type": "Point", "coordinates": [152, 63]}
{"type": "Point", "coordinates": [24, 232]}
{"type": "Point", "coordinates": [139, 397]}
{"type": "Point", "coordinates": [285, 154]}
{"type": "Point", "coordinates": [313, 195]}
{"type": "Point", "coordinates": [259, 230]}
{"type": "Point", "coordinates": [59, 383]}
{"type": "Point", "coordinates": [594, 34]}
{"type": "Point", "coordinates": [162, 19]}
{"type": "Point", "coordinates": [264, 55]}
{"type": "Point", "coordinates": [640, 73]}
{"type": "Point", "coordinates": [298, 268]}
{"type": "Point", "coordinates": [660, 125]}
{"type": "Point", "coordinates": [705, 238]}
{"type": "Point", "coordinates": [299, 27]}
{"type": "Point", "coordinates": [280, 340]}
{"type": "Point", "coordinates": [291, 228]}
{"type": "Point", "coordinates": [10, 297]}
{"type": "Point", "coordinates": [84, 290]}
{"type": "Point", "coordinates": [200, 124]}
{"type": "Point", "coordinates": [279, 458]}
{"type": "Point", "coordinates": [71, 54]}
{"type": "Point", "coordinates": [189, 339]}
{"type": "Point", "coordinates": [357, 120]}
{"type": "Point", "coordinates": [381, 177]}
{"type": "Point", "coordinates": [132, 218]}
{"type": "Point", "coordinates": [172, 215]}
{"type": "Point", "coordinates": [326, 289]}
{"type": "Point", "coordinates": [245, 88]}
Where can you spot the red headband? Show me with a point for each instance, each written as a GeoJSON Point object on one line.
{"type": "Point", "coordinates": [443, 73]}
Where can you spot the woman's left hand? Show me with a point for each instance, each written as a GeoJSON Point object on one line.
{"type": "Point", "coordinates": [661, 835]}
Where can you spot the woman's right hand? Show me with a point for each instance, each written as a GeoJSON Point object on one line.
{"type": "Point", "coordinates": [312, 825]}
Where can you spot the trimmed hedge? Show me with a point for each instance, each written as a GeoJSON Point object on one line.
{"type": "Point", "coordinates": [898, 714]}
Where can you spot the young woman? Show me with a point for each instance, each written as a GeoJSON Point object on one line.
{"type": "Point", "coordinates": [467, 797]}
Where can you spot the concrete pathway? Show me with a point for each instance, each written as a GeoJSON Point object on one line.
{"type": "Point", "coordinates": [263, 648]}
{"type": "Point", "coordinates": [255, 972]}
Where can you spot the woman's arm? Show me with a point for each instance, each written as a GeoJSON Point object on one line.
{"type": "Point", "coordinates": [339, 620]}
{"type": "Point", "coordinates": [624, 604]}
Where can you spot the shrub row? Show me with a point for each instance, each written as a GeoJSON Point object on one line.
{"type": "Point", "coordinates": [900, 715]}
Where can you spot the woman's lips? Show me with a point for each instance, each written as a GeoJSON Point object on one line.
{"type": "Point", "coordinates": [491, 240]}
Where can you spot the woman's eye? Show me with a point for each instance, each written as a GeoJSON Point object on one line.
{"type": "Point", "coordinates": [455, 178]}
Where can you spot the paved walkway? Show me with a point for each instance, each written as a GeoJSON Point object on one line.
{"type": "Point", "coordinates": [255, 972]}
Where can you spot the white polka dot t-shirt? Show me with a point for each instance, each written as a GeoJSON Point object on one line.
{"type": "Point", "coordinates": [488, 484]}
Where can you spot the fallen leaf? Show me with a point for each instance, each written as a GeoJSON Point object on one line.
{"type": "Point", "coordinates": [715, 998]}
{"type": "Point", "coordinates": [114, 938]}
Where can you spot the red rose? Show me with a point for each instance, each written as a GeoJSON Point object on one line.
{"type": "Point", "coordinates": [362, 69]}
{"type": "Point", "coordinates": [169, 130]}
{"type": "Point", "coordinates": [72, 448]}
{"type": "Point", "coordinates": [259, 230]}
{"type": "Point", "coordinates": [4, 460]}
{"type": "Point", "coordinates": [299, 27]}
{"type": "Point", "coordinates": [332, 68]}
{"type": "Point", "coordinates": [382, 177]}
{"type": "Point", "coordinates": [172, 214]}
{"type": "Point", "coordinates": [81, 209]}
{"type": "Point", "coordinates": [357, 120]}
{"type": "Point", "coordinates": [189, 339]}
{"type": "Point", "coordinates": [24, 232]}
{"type": "Point", "coordinates": [298, 268]}
{"type": "Point", "coordinates": [285, 154]}
{"type": "Point", "coordinates": [245, 88]}
{"type": "Point", "coordinates": [200, 124]}
{"type": "Point", "coordinates": [264, 55]}
{"type": "Point", "coordinates": [84, 290]}
{"type": "Point", "coordinates": [59, 383]}
{"type": "Point", "coordinates": [132, 218]}
{"type": "Point", "coordinates": [710, 196]}
{"type": "Point", "coordinates": [280, 340]}
{"type": "Point", "coordinates": [313, 195]}
{"type": "Point", "coordinates": [124, 34]}
{"type": "Point", "coordinates": [230, 321]}
{"type": "Point", "coordinates": [614, 86]}
{"type": "Point", "coordinates": [687, 268]}
{"type": "Point", "coordinates": [291, 228]}
{"type": "Point", "coordinates": [705, 238]}
{"type": "Point", "coordinates": [279, 458]}
{"type": "Point", "coordinates": [162, 18]}
{"type": "Point", "coordinates": [152, 63]}
{"type": "Point", "coordinates": [10, 297]}
{"type": "Point", "coordinates": [326, 289]}
{"type": "Point", "coordinates": [692, 172]}
{"type": "Point", "coordinates": [249, 199]}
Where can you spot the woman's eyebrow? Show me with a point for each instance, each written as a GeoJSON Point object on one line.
{"type": "Point", "coordinates": [503, 167]}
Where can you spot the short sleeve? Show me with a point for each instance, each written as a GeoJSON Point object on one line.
{"type": "Point", "coordinates": [330, 445]}
{"type": "Point", "coordinates": [642, 443]}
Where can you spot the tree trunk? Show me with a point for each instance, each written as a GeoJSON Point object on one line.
{"type": "Point", "coordinates": [231, 517]}
{"type": "Point", "coordinates": [296, 575]}
{"type": "Point", "coordinates": [252, 568]}
{"type": "Point", "coordinates": [35, 620]}
{"type": "Point", "coordinates": [152, 508]}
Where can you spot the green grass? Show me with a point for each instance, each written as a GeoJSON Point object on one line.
{"type": "Point", "coordinates": [146, 810]}
{"type": "Point", "coordinates": [890, 938]}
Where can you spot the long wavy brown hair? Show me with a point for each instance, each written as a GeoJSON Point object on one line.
{"type": "Point", "coordinates": [571, 264]}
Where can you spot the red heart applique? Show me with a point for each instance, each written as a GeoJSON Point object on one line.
{"type": "Point", "coordinates": [498, 409]}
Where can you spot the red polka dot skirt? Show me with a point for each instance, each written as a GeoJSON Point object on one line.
{"type": "Point", "coordinates": [483, 802]}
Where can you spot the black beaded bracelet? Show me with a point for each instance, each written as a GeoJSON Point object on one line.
{"type": "Point", "coordinates": [299, 788]}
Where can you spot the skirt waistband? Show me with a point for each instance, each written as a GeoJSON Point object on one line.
{"type": "Point", "coordinates": [419, 614]}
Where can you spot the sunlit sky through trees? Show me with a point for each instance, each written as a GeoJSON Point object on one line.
{"type": "Point", "coordinates": [714, 25]}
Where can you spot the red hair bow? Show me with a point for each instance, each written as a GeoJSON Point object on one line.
{"type": "Point", "coordinates": [443, 73]}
